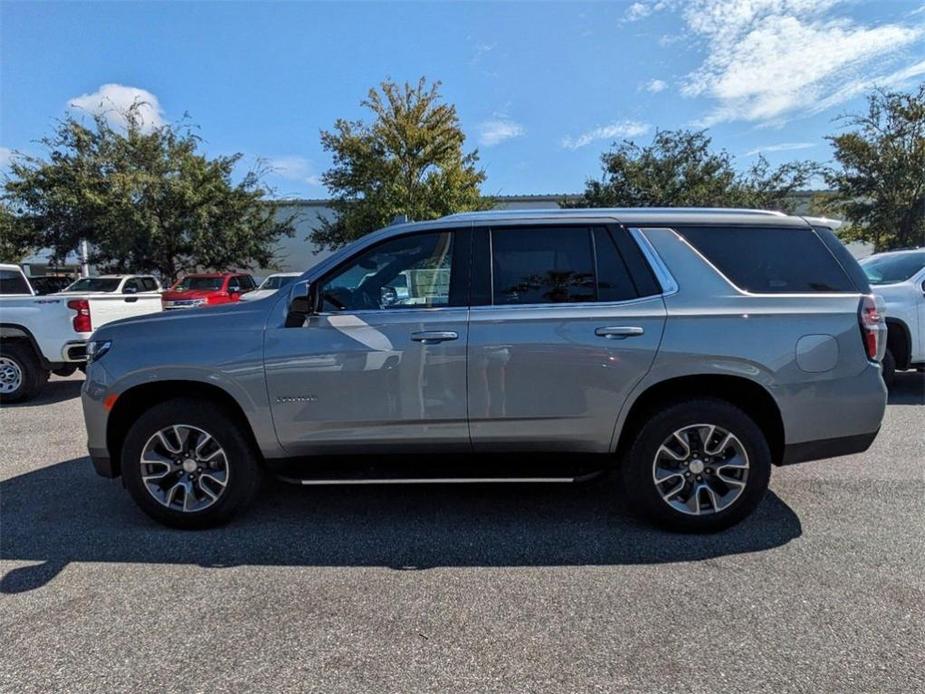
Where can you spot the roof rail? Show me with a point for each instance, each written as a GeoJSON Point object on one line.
{"type": "Point", "coordinates": [613, 210]}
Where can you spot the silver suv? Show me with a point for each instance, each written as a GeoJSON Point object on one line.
{"type": "Point", "coordinates": [687, 350]}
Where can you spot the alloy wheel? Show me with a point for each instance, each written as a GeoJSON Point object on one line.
{"type": "Point", "coordinates": [184, 468]}
{"type": "Point", "coordinates": [700, 469]}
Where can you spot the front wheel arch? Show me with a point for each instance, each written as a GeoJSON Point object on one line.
{"type": "Point", "coordinates": [137, 400]}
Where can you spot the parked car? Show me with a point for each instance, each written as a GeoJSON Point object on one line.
{"type": "Point", "coordinates": [271, 285]}
{"type": "Point", "coordinates": [115, 284]}
{"type": "Point", "coordinates": [899, 277]}
{"type": "Point", "coordinates": [208, 288]}
{"type": "Point", "coordinates": [48, 284]}
{"type": "Point", "coordinates": [48, 334]}
{"type": "Point", "coordinates": [688, 349]}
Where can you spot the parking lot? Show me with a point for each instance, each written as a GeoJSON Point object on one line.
{"type": "Point", "coordinates": [510, 588]}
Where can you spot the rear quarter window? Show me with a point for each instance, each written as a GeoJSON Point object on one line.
{"type": "Point", "coordinates": [771, 260]}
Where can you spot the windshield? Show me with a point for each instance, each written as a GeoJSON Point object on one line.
{"type": "Point", "coordinates": [890, 269]}
{"type": "Point", "coordinates": [95, 284]}
{"type": "Point", "coordinates": [199, 284]}
{"type": "Point", "coordinates": [276, 281]}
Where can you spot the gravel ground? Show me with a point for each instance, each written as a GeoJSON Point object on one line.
{"type": "Point", "coordinates": [460, 589]}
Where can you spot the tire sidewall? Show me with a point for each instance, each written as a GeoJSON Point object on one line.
{"type": "Point", "coordinates": [888, 368]}
{"type": "Point", "coordinates": [243, 471]}
{"type": "Point", "coordinates": [637, 468]}
{"type": "Point", "coordinates": [30, 371]}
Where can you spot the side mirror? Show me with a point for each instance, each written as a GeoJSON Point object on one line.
{"type": "Point", "coordinates": [301, 304]}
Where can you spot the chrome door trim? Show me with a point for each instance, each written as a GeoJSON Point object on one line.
{"type": "Point", "coordinates": [662, 273]}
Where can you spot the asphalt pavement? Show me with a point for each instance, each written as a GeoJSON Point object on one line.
{"type": "Point", "coordinates": [450, 589]}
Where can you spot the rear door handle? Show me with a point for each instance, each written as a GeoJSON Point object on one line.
{"type": "Point", "coordinates": [619, 332]}
{"type": "Point", "coordinates": [432, 337]}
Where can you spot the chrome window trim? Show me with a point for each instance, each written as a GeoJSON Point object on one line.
{"type": "Point", "coordinates": [667, 281]}
{"type": "Point", "coordinates": [567, 304]}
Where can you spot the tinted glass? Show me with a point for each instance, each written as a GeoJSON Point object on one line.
{"type": "Point", "coordinates": [11, 282]}
{"type": "Point", "coordinates": [133, 285]}
{"type": "Point", "coordinates": [199, 284]}
{"type": "Point", "coordinates": [542, 265]}
{"type": "Point", "coordinates": [407, 272]}
{"type": "Point", "coordinates": [95, 284]}
{"type": "Point", "coordinates": [150, 284]}
{"type": "Point", "coordinates": [890, 269]}
{"type": "Point", "coordinates": [770, 260]}
{"type": "Point", "coordinates": [613, 278]}
{"type": "Point", "coordinates": [845, 259]}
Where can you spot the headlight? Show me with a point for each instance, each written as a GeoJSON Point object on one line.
{"type": "Point", "coordinates": [97, 348]}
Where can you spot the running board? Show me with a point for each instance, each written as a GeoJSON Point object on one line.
{"type": "Point", "coordinates": [441, 469]}
{"type": "Point", "coordinates": [317, 482]}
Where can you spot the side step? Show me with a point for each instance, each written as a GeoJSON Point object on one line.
{"type": "Point", "coordinates": [437, 469]}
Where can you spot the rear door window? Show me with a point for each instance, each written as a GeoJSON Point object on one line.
{"type": "Point", "coordinates": [770, 260]}
{"type": "Point", "coordinates": [12, 282]}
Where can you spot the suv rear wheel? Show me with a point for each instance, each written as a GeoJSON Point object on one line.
{"type": "Point", "coordinates": [697, 466]}
{"type": "Point", "coordinates": [186, 464]}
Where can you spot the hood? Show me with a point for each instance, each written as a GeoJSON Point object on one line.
{"type": "Point", "coordinates": [186, 324]}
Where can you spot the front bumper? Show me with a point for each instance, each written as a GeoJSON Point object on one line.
{"type": "Point", "coordinates": [102, 463]}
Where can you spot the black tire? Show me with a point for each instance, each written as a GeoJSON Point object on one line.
{"type": "Point", "coordinates": [888, 368]}
{"type": "Point", "coordinates": [636, 471]}
{"type": "Point", "coordinates": [244, 473]}
{"type": "Point", "coordinates": [65, 371]}
{"type": "Point", "coordinates": [32, 376]}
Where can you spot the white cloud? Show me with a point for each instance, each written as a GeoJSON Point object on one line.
{"type": "Point", "coordinates": [294, 168]}
{"type": "Point", "coordinates": [641, 10]}
{"type": "Point", "coordinates": [656, 86]}
{"type": "Point", "coordinates": [623, 128]}
{"type": "Point", "coordinates": [780, 147]}
{"type": "Point", "coordinates": [113, 100]}
{"type": "Point", "coordinates": [495, 131]}
{"type": "Point", "coordinates": [768, 59]}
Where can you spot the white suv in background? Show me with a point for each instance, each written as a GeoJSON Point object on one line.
{"type": "Point", "coordinates": [899, 277]}
{"type": "Point", "coordinates": [114, 284]}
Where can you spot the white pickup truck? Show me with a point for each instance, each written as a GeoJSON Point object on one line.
{"type": "Point", "coordinates": [44, 334]}
{"type": "Point", "coordinates": [899, 277]}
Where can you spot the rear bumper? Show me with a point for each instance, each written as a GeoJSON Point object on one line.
{"type": "Point", "coordinates": [827, 448]}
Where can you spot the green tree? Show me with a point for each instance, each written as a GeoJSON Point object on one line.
{"type": "Point", "coordinates": [408, 161]}
{"type": "Point", "coordinates": [880, 187]}
{"type": "Point", "coordinates": [16, 237]}
{"type": "Point", "coordinates": [144, 198]}
{"type": "Point", "coordinates": [680, 169]}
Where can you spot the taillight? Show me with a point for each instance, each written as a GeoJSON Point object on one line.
{"type": "Point", "coordinates": [82, 322]}
{"type": "Point", "coordinates": [873, 327]}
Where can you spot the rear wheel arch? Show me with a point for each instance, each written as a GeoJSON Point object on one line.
{"type": "Point", "coordinates": [137, 400]}
{"type": "Point", "coordinates": [750, 397]}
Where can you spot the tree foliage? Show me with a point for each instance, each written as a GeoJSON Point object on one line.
{"type": "Point", "coordinates": [144, 198]}
{"type": "Point", "coordinates": [408, 161]}
{"type": "Point", "coordinates": [16, 237]}
{"type": "Point", "coordinates": [680, 169]}
{"type": "Point", "coordinates": [880, 187]}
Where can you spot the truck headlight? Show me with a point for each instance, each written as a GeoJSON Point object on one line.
{"type": "Point", "coordinates": [97, 348]}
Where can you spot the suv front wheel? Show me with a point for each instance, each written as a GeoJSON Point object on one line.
{"type": "Point", "coordinates": [186, 464]}
{"type": "Point", "coordinates": [697, 466]}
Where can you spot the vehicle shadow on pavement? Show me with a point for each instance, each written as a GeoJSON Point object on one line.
{"type": "Point", "coordinates": [54, 391]}
{"type": "Point", "coordinates": [908, 389]}
{"type": "Point", "coordinates": [65, 513]}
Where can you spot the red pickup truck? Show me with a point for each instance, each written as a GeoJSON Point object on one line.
{"type": "Point", "coordinates": [207, 289]}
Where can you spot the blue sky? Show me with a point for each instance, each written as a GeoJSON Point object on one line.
{"type": "Point", "coordinates": [541, 88]}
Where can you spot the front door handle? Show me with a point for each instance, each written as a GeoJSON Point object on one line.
{"type": "Point", "coordinates": [432, 337]}
{"type": "Point", "coordinates": [619, 332]}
